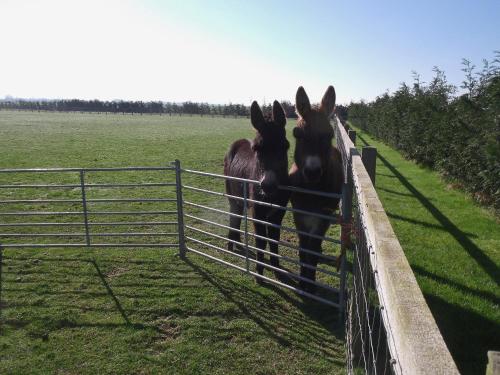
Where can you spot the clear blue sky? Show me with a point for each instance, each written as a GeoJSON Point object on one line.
{"type": "Point", "coordinates": [221, 51]}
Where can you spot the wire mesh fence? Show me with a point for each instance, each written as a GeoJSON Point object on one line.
{"type": "Point", "coordinates": [367, 339]}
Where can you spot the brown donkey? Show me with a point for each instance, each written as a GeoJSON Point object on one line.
{"type": "Point", "coordinates": [318, 166]}
{"type": "Point", "coordinates": [265, 159]}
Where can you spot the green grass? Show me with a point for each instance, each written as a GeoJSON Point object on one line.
{"type": "Point", "coordinates": [142, 310]}
{"type": "Point", "coordinates": [453, 246]}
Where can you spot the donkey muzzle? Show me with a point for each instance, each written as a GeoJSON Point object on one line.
{"type": "Point", "coordinates": [312, 169]}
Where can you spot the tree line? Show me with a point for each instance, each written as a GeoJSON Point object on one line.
{"type": "Point", "coordinates": [457, 135]}
{"type": "Point", "coordinates": [138, 107]}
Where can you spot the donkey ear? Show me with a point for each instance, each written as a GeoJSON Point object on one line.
{"type": "Point", "coordinates": [302, 104]}
{"type": "Point", "coordinates": [328, 101]}
{"type": "Point", "coordinates": [278, 114]}
{"type": "Point", "coordinates": [256, 116]}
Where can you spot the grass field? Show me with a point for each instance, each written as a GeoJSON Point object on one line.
{"type": "Point", "coordinates": [147, 311]}
{"type": "Point", "coordinates": [143, 310]}
{"type": "Point", "coordinates": [453, 247]}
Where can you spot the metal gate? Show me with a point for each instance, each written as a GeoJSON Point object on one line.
{"type": "Point", "coordinates": [147, 206]}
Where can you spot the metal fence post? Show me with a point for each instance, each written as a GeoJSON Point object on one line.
{"type": "Point", "coordinates": [245, 215]}
{"type": "Point", "coordinates": [180, 213]}
{"type": "Point", "coordinates": [84, 205]}
{"type": "Point", "coordinates": [369, 158]}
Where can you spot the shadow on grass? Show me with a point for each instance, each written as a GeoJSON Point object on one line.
{"type": "Point", "coordinates": [310, 327]}
{"type": "Point", "coordinates": [424, 224]}
{"type": "Point", "coordinates": [461, 237]}
{"type": "Point", "coordinates": [468, 346]}
{"type": "Point", "coordinates": [491, 297]}
{"type": "Point", "coordinates": [110, 292]}
{"type": "Point", "coordinates": [269, 315]}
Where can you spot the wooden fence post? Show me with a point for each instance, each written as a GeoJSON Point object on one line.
{"type": "Point", "coordinates": [352, 135]}
{"type": "Point", "coordinates": [369, 157]}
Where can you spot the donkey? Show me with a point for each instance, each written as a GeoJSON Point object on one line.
{"type": "Point", "coordinates": [317, 166]}
{"type": "Point", "coordinates": [264, 159]}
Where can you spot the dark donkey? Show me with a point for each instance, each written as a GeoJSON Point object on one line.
{"type": "Point", "coordinates": [318, 166]}
{"type": "Point", "coordinates": [264, 159]}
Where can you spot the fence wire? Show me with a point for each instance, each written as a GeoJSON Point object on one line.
{"type": "Point", "coordinates": [367, 338]}
{"type": "Point", "coordinates": [368, 335]}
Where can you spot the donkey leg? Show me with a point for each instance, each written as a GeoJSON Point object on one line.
{"type": "Point", "coordinates": [235, 223]}
{"type": "Point", "coordinates": [274, 234]}
{"type": "Point", "coordinates": [261, 244]}
{"type": "Point", "coordinates": [315, 246]}
{"type": "Point", "coordinates": [304, 260]}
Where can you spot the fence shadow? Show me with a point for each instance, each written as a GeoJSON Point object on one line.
{"type": "Point", "coordinates": [310, 328]}
{"type": "Point", "coordinates": [468, 347]}
{"type": "Point", "coordinates": [267, 314]}
{"type": "Point", "coordinates": [461, 237]}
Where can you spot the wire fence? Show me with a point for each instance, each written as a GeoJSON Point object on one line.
{"type": "Point", "coordinates": [389, 327]}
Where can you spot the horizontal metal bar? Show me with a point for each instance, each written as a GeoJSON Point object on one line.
{"type": "Point", "coordinates": [285, 244]}
{"type": "Point", "coordinates": [34, 186]}
{"type": "Point", "coordinates": [137, 223]}
{"type": "Point", "coordinates": [124, 234]}
{"type": "Point", "coordinates": [41, 224]}
{"type": "Point", "coordinates": [91, 245]}
{"type": "Point", "coordinates": [133, 234]}
{"type": "Point", "coordinates": [288, 229]}
{"type": "Point", "coordinates": [331, 218]}
{"type": "Point", "coordinates": [276, 269]}
{"type": "Point", "coordinates": [216, 259]}
{"type": "Point", "coordinates": [117, 169]}
{"type": "Point", "coordinates": [42, 234]}
{"type": "Point", "coordinates": [221, 176]}
{"type": "Point", "coordinates": [37, 201]}
{"type": "Point", "coordinates": [131, 212]}
{"type": "Point", "coordinates": [296, 290]}
{"type": "Point", "coordinates": [40, 213]}
{"type": "Point", "coordinates": [232, 253]}
{"type": "Point", "coordinates": [213, 235]}
{"type": "Point", "coordinates": [312, 235]}
{"type": "Point", "coordinates": [309, 191]}
{"type": "Point", "coordinates": [105, 200]}
{"type": "Point", "coordinates": [280, 256]}
{"type": "Point", "coordinates": [282, 187]}
{"type": "Point", "coordinates": [294, 275]}
{"type": "Point", "coordinates": [148, 184]}
{"type": "Point", "coordinates": [82, 224]}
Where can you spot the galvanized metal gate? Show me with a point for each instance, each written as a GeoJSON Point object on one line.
{"type": "Point", "coordinates": [181, 204]}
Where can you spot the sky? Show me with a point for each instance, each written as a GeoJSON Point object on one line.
{"type": "Point", "coordinates": [236, 51]}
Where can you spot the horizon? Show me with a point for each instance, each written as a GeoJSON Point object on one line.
{"type": "Point", "coordinates": [235, 52]}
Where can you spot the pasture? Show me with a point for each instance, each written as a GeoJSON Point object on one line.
{"type": "Point", "coordinates": [145, 310]}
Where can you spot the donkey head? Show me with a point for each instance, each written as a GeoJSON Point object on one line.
{"type": "Point", "coordinates": [271, 147]}
{"type": "Point", "coordinates": [313, 135]}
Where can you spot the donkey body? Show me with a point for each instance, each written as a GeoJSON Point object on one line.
{"type": "Point", "coordinates": [264, 159]}
{"type": "Point", "coordinates": [318, 166]}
